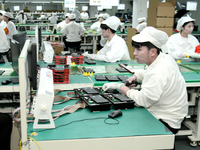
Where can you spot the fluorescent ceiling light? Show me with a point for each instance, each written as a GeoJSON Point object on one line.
{"type": "Point", "coordinates": [57, 1]}
{"type": "Point", "coordinates": [39, 2]}
{"type": "Point", "coordinates": [16, 2]}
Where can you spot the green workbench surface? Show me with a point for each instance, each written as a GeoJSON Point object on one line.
{"type": "Point", "coordinates": [192, 66]}
{"type": "Point", "coordinates": [133, 122]}
{"type": "Point", "coordinates": [191, 77]}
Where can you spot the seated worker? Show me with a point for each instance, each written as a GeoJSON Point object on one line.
{"type": "Point", "coordinates": [163, 91]}
{"type": "Point", "coordinates": [21, 17]}
{"type": "Point", "coordinates": [2, 22]}
{"type": "Point", "coordinates": [10, 28]}
{"type": "Point", "coordinates": [5, 131]}
{"type": "Point", "coordinates": [141, 25]}
{"type": "Point", "coordinates": [96, 26]}
{"type": "Point", "coordinates": [183, 43]}
{"type": "Point", "coordinates": [73, 31]}
{"type": "Point", "coordinates": [4, 46]}
{"type": "Point", "coordinates": [84, 15]}
{"type": "Point", "coordinates": [64, 22]}
{"type": "Point", "coordinates": [115, 48]}
{"type": "Point", "coordinates": [53, 19]}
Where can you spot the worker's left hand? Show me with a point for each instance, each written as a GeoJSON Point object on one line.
{"type": "Point", "coordinates": [107, 86]}
{"type": "Point", "coordinates": [90, 56]}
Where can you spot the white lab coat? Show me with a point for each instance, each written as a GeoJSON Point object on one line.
{"type": "Point", "coordinates": [53, 19]}
{"type": "Point", "coordinates": [20, 19]}
{"type": "Point", "coordinates": [11, 30]}
{"type": "Point", "coordinates": [77, 13]}
{"type": "Point", "coordinates": [176, 46]}
{"type": "Point", "coordinates": [73, 31]}
{"type": "Point", "coordinates": [114, 50]}
{"type": "Point", "coordinates": [42, 17]}
{"type": "Point", "coordinates": [96, 26]}
{"type": "Point", "coordinates": [3, 24]}
{"type": "Point", "coordinates": [163, 91]}
{"type": "Point", "coordinates": [4, 47]}
{"type": "Point", "coordinates": [84, 15]}
{"type": "Point", "coordinates": [61, 25]}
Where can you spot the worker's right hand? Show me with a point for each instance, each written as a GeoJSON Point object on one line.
{"type": "Point", "coordinates": [133, 78]}
{"type": "Point", "coordinates": [182, 55]}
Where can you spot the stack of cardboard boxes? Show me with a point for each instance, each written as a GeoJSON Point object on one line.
{"type": "Point", "coordinates": [161, 15]}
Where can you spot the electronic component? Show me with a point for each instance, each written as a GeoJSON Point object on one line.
{"type": "Point", "coordinates": [96, 103]}
{"type": "Point", "coordinates": [89, 61]}
{"type": "Point", "coordinates": [122, 78]}
{"type": "Point", "coordinates": [133, 82]}
{"type": "Point", "coordinates": [85, 92]}
{"type": "Point", "coordinates": [88, 70]}
{"type": "Point", "coordinates": [100, 77]}
{"type": "Point", "coordinates": [115, 113]}
{"type": "Point", "coordinates": [111, 78]}
{"type": "Point", "coordinates": [121, 69]}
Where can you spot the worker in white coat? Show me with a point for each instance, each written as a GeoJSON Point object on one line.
{"type": "Point", "coordinates": [2, 22]}
{"type": "Point", "coordinates": [4, 47]}
{"type": "Point", "coordinates": [42, 17]}
{"type": "Point", "coordinates": [141, 24]}
{"type": "Point", "coordinates": [183, 43]}
{"type": "Point", "coordinates": [73, 31]}
{"type": "Point", "coordinates": [64, 22]}
{"type": "Point", "coordinates": [77, 13]}
{"type": "Point", "coordinates": [96, 26]}
{"type": "Point", "coordinates": [115, 48]}
{"type": "Point", "coordinates": [163, 91]}
{"type": "Point", "coordinates": [21, 17]}
{"type": "Point", "coordinates": [53, 19]}
{"type": "Point", "coordinates": [10, 28]}
{"type": "Point", "coordinates": [84, 15]}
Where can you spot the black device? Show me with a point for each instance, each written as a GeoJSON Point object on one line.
{"type": "Point", "coordinates": [85, 92]}
{"type": "Point", "coordinates": [40, 36]}
{"type": "Point", "coordinates": [115, 113]}
{"type": "Point", "coordinates": [32, 65]}
{"type": "Point", "coordinates": [21, 38]}
{"type": "Point", "coordinates": [1, 72]}
{"type": "Point", "coordinates": [15, 52]}
{"type": "Point", "coordinates": [100, 77]}
{"type": "Point", "coordinates": [111, 78]}
{"type": "Point", "coordinates": [96, 103]}
{"type": "Point", "coordinates": [127, 83]}
{"type": "Point", "coordinates": [89, 70]}
{"type": "Point", "coordinates": [121, 69]}
{"type": "Point", "coordinates": [5, 82]}
{"type": "Point", "coordinates": [123, 78]}
{"type": "Point", "coordinates": [14, 80]}
{"type": "Point", "coordinates": [89, 61]}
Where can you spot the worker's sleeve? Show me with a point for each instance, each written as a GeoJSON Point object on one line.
{"type": "Point", "coordinates": [64, 30]}
{"type": "Point", "coordinates": [82, 30]}
{"type": "Point", "coordinates": [139, 75]}
{"type": "Point", "coordinates": [173, 49]}
{"type": "Point", "coordinates": [116, 53]}
{"type": "Point", "coordinates": [151, 91]}
{"type": "Point", "coordinates": [93, 26]}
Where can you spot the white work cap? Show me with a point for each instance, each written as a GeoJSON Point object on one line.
{"type": "Point", "coordinates": [100, 15]}
{"type": "Point", "coordinates": [9, 15]}
{"type": "Point", "coordinates": [183, 20]}
{"type": "Point", "coordinates": [67, 15]}
{"type": "Point", "coordinates": [143, 19]}
{"type": "Point", "coordinates": [112, 22]}
{"type": "Point", "coordinates": [53, 14]}
{"type": "Point", "coordinates": [72, 16]}
{"type": "Point", "coordinates": [141, 26]}
{"type": "Point", "coordinates": [105, 16]}
{"type": "Point", "coordinates": [2, 11]}
{"type": "Point", "coordinates": [149, 34]}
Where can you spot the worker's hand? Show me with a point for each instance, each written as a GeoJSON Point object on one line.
{"type": "Point", "coordinates": [115, 85]}
{"type": "Point", "coordinates": [133, 78]}
{"type": "Point", "coordinates": [90, 56]}
{"type": "Point", "coordinates": [85, 54]}
{"type": "Point", "coordinates": [182, 55]}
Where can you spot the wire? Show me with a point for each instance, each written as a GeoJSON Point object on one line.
{"type": "Point", "coordinates": [20, 143]}
{"type": "Point", "coordinates": [105, 121]}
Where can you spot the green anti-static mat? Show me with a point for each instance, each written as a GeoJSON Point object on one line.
{"type": "Point", "coordinates": [191, 77]}
{"type": "Point", "coordinates": [133, 122]}
{"type": "Point", "coordinates": [103, 63]}
{"type": "Point", "coordinates": [194, 67]}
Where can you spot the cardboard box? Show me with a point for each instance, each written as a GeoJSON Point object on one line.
{"type": "Point", "coordinates": [131, 49]}
{"type": "Point", "coordinates": [169, 31]}
{"type": "Point", "coordinates": [165, 9]}
{"type": "Point", "coordinates": [160, 22]}
{"type": "Point", "coordinates": [152, 12]}
{"type": "Point", "coordinates": [57, 46]}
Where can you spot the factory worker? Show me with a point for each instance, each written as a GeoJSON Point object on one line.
{"type": "Point", "coordinates": [84, 15]}
{"type": "Point", "coordinates": [53, 19]}
{"type": "Point", "coordinates": [73, 31]}
{"type": "Point", "coordinates": [64, 22]}
{"type": "Point", "coordinates": [2, 22]}
{"type": "Point", "coordinates": [183, 43]}
{"type": "Point", "coordinates": [21, 17]}
{"type": "Point", "coordinates": [96, 26]}
{"type": "Point", "coordinates": [10, 28]}
{"type": "Point", "coordinates": [163, 91]}
{"type": "Point", "coordinates": [141, 24]}
{"type": "Point", "coordinates": [4, 46]}
{"type": "Point", "coordinates": [42, 17]}
{"type": "Point", "coordinates": [77, 13]}
{"type": "Point", "coordinates": [115, 48]}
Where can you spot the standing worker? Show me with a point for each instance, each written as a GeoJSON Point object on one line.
{"type": "Point", "coordinates": [10, 28]}
{"type": "Point", "coordinates": [21, 17]}
{"type": "Point", "coordinates": [163, 92]}
{"type": "Point", "coordinates": [115, 48]}
{"type": "Point", "coordinates": [84, 15]}
{"type": "Point", "coordinates": [64, 22]}
{"type": "Point", "coordinates": [77, 13]}
{"type": "Point", "coordinates": [141, 25]}
{"type": "Point", "coordinates": [53, 19]}
{"type": "Point", "coordinates": [183, 43]}
{"type": "Point", "coordinates": [73, 31]}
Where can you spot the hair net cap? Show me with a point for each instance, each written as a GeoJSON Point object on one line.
{"type": "Point", "coordinates": [54, 14]}
{"type": "Point", "coordinates": [152, 35]}
{"type": "Point", "coordinates": [9, 15]}
{"type": "Point", "coordinates": [3, 12]}
{"type": "Point", "coordinates": [67, 15]}
{"type": "Point", "coordinates": [72, 16]}
{"type": "Point", "coordinates": [100, 15]}
{"type": "Point", "coordinates": [105, 16]}
{"type": "Point", "coordinates": [183, 20]}
{"type": "Point", "coordinates": [141, 19]}
{"type": "Point", "coordinates": [112, 22]}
